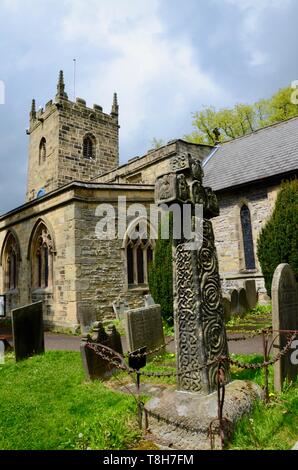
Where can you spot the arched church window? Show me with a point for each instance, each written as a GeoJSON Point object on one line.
{"type": "Point", "coordinates": [10, 263]}
{"type": "Point", "coordinates": [248, 244]}
{"type": "Point", "coordinates": [89, 147]}
{"type": "Point", "coordinates": [42, 258]}
{"type": "Point", "coordinates": [42, 150]}
{"type": "Point", "coordinates": [139, 254]}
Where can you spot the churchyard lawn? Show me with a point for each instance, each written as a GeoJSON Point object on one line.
{"type": "Point", "coordinates": [47, 404]}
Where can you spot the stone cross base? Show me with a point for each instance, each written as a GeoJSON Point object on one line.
{"type": "Point", "coordinates": [181, 420]}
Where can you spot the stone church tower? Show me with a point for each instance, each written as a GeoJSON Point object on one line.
{"type": "Point", "coordinates": [70, 142]}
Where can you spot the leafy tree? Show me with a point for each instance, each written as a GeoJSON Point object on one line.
{"type": "Point", "coordinates": [161, 276]}
{"type": "Point", "coordinates": [278, 240]}
{"type": "Point", "coordinates": [157, 143]}
{"type": "Point", "coordinates": [242, 119]}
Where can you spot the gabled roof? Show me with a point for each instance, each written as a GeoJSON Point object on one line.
{"type": "Point", "coordinates": [265, 153]}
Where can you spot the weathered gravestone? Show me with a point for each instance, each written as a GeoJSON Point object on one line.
{"type": "Point", "coordinates": [144, 328]}
{"type": "Point", "coordinates": [100, 366]}
{"type": "Point", "coordinates": [284, 317]}
{"type": "Point", "coordinates": [181, 418]}
{"type": "Point", "coordinates": [251, 292]}
{"type": "Point", "coordinates": [28, 331]}
{"type": "Point", "coordinates": [242, 302]}
{"type": "Point", "coordinates": [234, 302]}
{"type": "Point", "coordinates": [226, 301]}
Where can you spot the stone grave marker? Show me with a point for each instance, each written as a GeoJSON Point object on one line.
{"type": "Point", "coordinates": [198, 309]}
{"type": "Point", "coordinates": [284, 317]}
{"type": "Point", "coordinates": [251, 292]}
{"type": "Point", "coordinates": [95, 366]}
{"type": "Point", "coordinates": [144, 328]}
{"type": "Point", "coordinates": [234, 302]}
{"type": "Point", "coordinates": [181, 418]}
{"type": "Point", "coordinates": [227, 307]}
{"type": "Point", "coordinates": [242, 302]}
{"type": "Point", "coordinates": [28, 331]}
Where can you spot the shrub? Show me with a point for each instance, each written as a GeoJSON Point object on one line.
{"type": "Point", "coordinates": [161, 276]}
{"type": "Point", "coordinates": [278, 240]}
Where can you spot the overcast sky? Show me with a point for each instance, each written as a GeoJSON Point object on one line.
{"type": "Point", "coordinates": [165, 58]}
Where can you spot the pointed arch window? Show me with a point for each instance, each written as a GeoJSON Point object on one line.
{"type": "Point", "coordinates": [89, 147]}
{"type": "Point", "coordinates": [10, 262]}
{"type": "Point", "coordinates": [42, 150]}
{"type": "Point", "coordinates": [139, 254]}
{"type": "Point", "coordinates": [42, 258]}
{"type": "Point", "coordinates": [247, 236]}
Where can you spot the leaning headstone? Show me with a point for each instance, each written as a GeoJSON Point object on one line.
{"type": "Point", "coordinates": [234, 302]}
{"type": "Point", "coordinates": [242, 302]}
{"type": "Point", "coordinates": [251, 292]}
{"type": "Point", "coordinates": [284, 317]}
{"type": "Point", "coordinates": [28, 331]}
{"type": "Point", "coordinates": [100, 366]}
{"type": "Point", "coordinates": [144, 328]}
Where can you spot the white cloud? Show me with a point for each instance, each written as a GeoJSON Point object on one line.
{"type": "Point", "coordinates": [156, 76]}
{"type": "Point", "coordinates": [254, 16]}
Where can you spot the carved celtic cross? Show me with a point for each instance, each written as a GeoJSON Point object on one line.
{"type": "Point", "coordinates": [198, 312]}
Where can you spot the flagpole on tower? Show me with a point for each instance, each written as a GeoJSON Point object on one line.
{"type": "Point", "coordinates": [74, 78]}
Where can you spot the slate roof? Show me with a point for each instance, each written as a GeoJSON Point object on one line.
{"type": "Point", "coordinates": [265, 153]}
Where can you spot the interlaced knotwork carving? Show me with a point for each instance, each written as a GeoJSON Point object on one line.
{"type": "Point", "coordinates": [199, 316]}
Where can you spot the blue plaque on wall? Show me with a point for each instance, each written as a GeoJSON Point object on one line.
{"type": "Point", "coordinates": [41, 193]}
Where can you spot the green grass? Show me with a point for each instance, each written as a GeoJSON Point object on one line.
{"type": "Point", "coordinates": [256, 319]}
{"type": "Point", "coordinates": [270, 426]}
{"type": "Point", "coordinates": [45, 403]}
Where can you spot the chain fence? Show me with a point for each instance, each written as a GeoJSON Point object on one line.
{"type": "Point", "coordinates": [220, 425]}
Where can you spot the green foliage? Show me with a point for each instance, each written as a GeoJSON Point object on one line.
{"type": "Point", "coordinates": [261, 309]}
{"type": "Point", "coordinates": [168, 329]}
{"type": "Point", "coordinates": [257, 318]}
{"type": "Point", "coordinates": [157, 143]}
{"type": "Point", "coordinates": [161, 275]}
{"type": "Point", "coordinates": [46, 404]}
{"type": "Point", "coordinates": [242, 119]}
{"type": "Point", "coordinates": [278, 241]}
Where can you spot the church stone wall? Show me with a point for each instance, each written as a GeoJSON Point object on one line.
{"type": "Point", "coordinates": [43, 174]}
{"type": "Point", "coordinates": [64, 124]}
{"type": "Point", "coordinates": [228, 232]}
{"type": "Point", "coordinates": [101, 264]}
{"type": "Point", "coordinates": [88, 274]}
{"type": "Point", "coordinates": [59, 299]}
{"type": "Point", "coordinates": [75, 121]}
{"type": "Point", "coordinates": [147, 168]}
